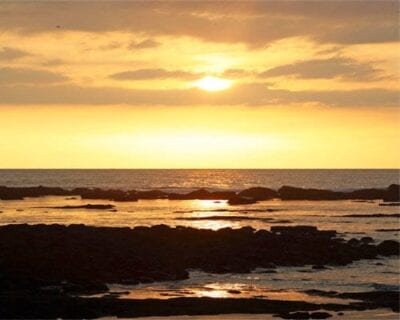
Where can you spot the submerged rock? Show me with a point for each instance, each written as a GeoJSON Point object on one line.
{"type": "Point", "coordinates": [87, 206]}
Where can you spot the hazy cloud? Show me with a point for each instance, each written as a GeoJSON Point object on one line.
{"type": "Point", "coordinates": [345, 68]}
{"type": "Point", "coordinates": [255, 23]}
{"type": "Point", "coordinates": [11, 76]}
{"type": "Point", "coordinates": [145, 44]}
{"type": "Point", "coordinates": [151, 74]}
{"type": "Point", "coordinates": [254, 94]}
{"type": "Point", "coordinates": [8, 53]}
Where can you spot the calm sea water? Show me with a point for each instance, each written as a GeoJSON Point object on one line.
{"type": "Point", "coordinates": [183, 180]}
{"type": "Point", "coordinates": [286, 283]}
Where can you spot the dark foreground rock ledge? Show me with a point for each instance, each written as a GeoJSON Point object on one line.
{"type": "Point", "coordinates": [42, 306]}
{"type": "Point", "coordinates": [42, 255]}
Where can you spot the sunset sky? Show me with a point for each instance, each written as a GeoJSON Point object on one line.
{"type": "Point", "coordinates": [255, 84]}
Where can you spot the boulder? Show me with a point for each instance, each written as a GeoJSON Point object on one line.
{"type": "Point", "coordinates": [259, 193]}
{"type": "Point", "coordinates": [388, 248]}
{"type": "Point", "coordinates": [392, 193]}
{"type": "Point", "coordinates": [237, 200]}
{"type": "Point", "coordinates": [203, 194]}
{"type": "Point", "coordinates": [151, 194]}
{"type": "Point", "coordinates": [293, 193]}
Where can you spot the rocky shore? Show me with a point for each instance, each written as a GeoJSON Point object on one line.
{"type": "Point", "coordinates": [43, 255]}
{"type": "Point", "coordinates": [247, 196]}
{"type": "Point", "coordinates": [51, 306]}
{"type": "Point", "coordinates": [45, 269]}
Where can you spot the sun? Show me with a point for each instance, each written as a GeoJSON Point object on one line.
{"type": "Point", "coordinates": [210, 83]}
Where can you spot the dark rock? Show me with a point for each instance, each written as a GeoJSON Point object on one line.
{"type": "Point", "coordinates": [236, 200]}
{"type": "Point", "coordinates": [388, 230]}
{"type": "Point", "coordinates": [320, 315]}
{"type": "Point", "coordinates": [125, 197]}
{"type": "Point", "coordinates": [114, 195]}
{"type": "Point", "coordinates": [84, 288]}
{"type": "Point", "coordinates": [372, 215]}
{"type": "Point", "coordinates": [258, 193]}
{"type": "Point", "coordinates": [87, 206]}
{"type": "Point", "coordinates": [366, 194]}
{"type": "Point", "coordinates": [388, 248]}
{"type": "Point", "coordinates": [232, 291]}
{"type": "Point", "coordinates": [78, 254]}
{"type": "Point", "coordinates": [392, 193]}
{"type": "Point", "coordinates": [367, 240]}
{"type": "Point", "coordinates": [319, 267]}
{"type": "Point", "coordinates": [390, 204]}
{"type": "Point", "coordinates": [294, 315]}
{"type": "Point", "coordinates": [202, 194]}
{"type": "Point", "coordinates": [151, 195]}
{"type": "Point", "coordinates": [294, 229]}
{"type": "Point", "coordinates": [293, 193]}
{"type": "Point", "coordinates": [19, 193]}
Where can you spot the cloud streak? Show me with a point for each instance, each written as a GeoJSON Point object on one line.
{"type": "Point", "coordinates": [8, 53]}
{"type": "Point", "coordinates": [152, 74]}
{"type": "Point", "coordinates": [13, 76]}
{"type": "Point", "coordinates": [344, 68]}
{"type": "Point", "coordinates": [253, 94]}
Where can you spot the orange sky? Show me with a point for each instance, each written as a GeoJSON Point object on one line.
{"type": "Point", "coordinates": [199, 85]}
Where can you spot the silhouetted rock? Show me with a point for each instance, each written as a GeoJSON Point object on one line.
{"type": "Point", "coordinates": [202, 194]}
{"type": "Point", "coordinates": [388, 230]}
{"type": "Point", "coordinates": [19, 193]}
{"type": "Point", "coordinates": [96, 193]}
{"type": "Point", "coordinates": [84, 288]}
{"type": "Point", "coordinates": [295, 229]}
{"type": "Point", "coordinates": [293, 193]}
{"type": "Point", "coordinates": [305, 315]}
{"type": "Point", "coordinates": [390, 204]}
{"type": "Point", "coordinates": [87, 206]}
{"type": "Point", "coordinates": [371, 215]}
{"type": "Point", "coordinates": [237, 200]}
{"type": "Point", "coordinates": [80, 254]}
{"type": "Point", "coordinates": [232, 291]}
{"type": "Point", "coordinates": [319, 267]}
{"type": "Point", "coordinates": [51, 306]}
{"type": "Point", "coordinates": [388, 248]}
{"type": "Point", "coordinates": [366, 240]}
{"type": "Point", "coordinates": [151, 194]}
{"type": "Point", "coordinates": [365, 194]}
{"type": "Point", "coordinates": [259, 193]}
{"type": "Point", "coordinates": [392, 193]}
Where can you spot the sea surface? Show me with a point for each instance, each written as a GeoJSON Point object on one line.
{"type": "Point", "coordinates": [212, 179]}
{"type": "Point", "coordinates": [286, 282]}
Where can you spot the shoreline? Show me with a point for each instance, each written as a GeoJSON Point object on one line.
{"type": "Point", "coordinates": [47, 268]}
{"type": "Point", "coordinates": [391, 194]}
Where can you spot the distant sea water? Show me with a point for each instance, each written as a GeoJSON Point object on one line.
{"type": "Point", "coordinates": [183, 180]}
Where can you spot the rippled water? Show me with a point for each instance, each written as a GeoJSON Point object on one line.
{"type": "Point", "coordinates": [183, 180]}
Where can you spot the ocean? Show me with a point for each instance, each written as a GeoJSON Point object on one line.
{"type": "Point", "coordinates": [213, 179]}
{"type": "Point", "coordinates": [287, 283]}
